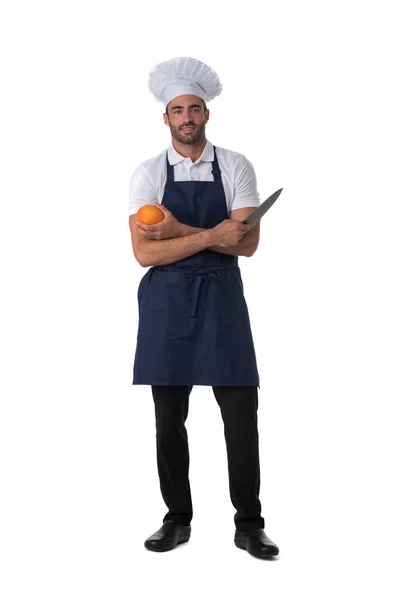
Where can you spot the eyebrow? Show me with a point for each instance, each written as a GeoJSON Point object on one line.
{"type": "Point", "coordinates": [191, 106]}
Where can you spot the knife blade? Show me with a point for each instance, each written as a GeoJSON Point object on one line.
{"type": "Point", "coordinates": [262, 209]}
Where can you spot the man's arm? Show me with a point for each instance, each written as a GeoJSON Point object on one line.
{"type": "Point", "coordinates": [171, 228]}
{"type": "Point", "coordinates": [247, 245]}
{"type": "Point", "coordinates": [156, 251]}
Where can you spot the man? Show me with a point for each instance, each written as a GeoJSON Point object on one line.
{"type": "Point", "coordinates": [194, 327]}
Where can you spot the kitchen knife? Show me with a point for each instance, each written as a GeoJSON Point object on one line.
{"type": "Point", "coordinates": [262, 209]}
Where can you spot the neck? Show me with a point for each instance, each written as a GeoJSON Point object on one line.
{"type": "Point", "coordinates": [193, 151]}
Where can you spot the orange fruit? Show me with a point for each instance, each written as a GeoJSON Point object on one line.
{"type": "Point", "coordinates": [149, 214]}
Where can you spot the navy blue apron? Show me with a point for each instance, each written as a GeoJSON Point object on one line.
{"type": "Point", "coordinates": [194, 326]}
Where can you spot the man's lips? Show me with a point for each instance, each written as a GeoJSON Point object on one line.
{"type": "Point", "coordinates": [188, 129]}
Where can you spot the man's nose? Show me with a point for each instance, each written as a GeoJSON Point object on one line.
{"type": "Point", "coordinates": [186, 115]}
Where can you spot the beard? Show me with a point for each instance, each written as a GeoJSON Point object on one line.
{"type": "Point", "coordinates": [192, 137]}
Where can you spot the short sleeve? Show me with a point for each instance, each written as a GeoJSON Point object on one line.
{"type": "Point", "coordinates": [245, 190]}
{"type": "Point", "coordinates": [141, 190]}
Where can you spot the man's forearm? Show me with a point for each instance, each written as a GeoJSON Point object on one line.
{"type": "Point", "coordinates": [246, 247]}
{"type": "Point", "coordinates": [165, 252]}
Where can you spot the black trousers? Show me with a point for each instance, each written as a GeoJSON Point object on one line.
{"type": "Point", "coordinates": [238, 407]}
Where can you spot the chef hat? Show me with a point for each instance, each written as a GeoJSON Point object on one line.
{"type": "Point", "coordinates": [184, 75]}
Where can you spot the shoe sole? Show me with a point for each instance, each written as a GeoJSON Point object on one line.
{"type": "Point", "coordinates": [181, 541]}
{"type": "Point", "coordinates": [274, 552]}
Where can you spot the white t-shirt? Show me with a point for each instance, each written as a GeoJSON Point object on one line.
{"type": "Point", "coordinates": [238, 177]}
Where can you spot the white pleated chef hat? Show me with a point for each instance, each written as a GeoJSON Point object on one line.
{"type": "Point", "coordinates": [183, 75]}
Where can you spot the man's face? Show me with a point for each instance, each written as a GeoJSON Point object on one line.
{"type": "Point", "coordinates": [187, 119]}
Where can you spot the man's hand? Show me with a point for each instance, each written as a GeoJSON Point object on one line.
{"type": "Point", "coordinates": [168, 228]}
{"type": "Point", "coordinates": [229, 232]}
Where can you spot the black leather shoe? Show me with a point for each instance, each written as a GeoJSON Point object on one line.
{"type": "Point", "coordinates": [168, 536]}
{"type": "Point", "coordinates": [256, 543]}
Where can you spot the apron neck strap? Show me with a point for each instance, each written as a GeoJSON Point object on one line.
{"type": "Point", "coordinates": [216, 171]}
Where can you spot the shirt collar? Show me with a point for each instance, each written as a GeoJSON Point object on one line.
{"type": "Point", "coordinates": [207, 155]}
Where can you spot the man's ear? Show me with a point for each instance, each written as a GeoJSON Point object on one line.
{"type": "Point", "coordinates": [166, 120]}
{"type": "Point", "coordinates": [207, 114]}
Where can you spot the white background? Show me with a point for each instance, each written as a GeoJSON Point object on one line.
{"type": "Point", "coordinates": [311, 98]}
